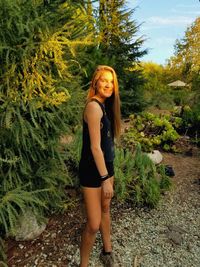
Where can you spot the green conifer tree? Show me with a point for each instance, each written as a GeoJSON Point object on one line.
{"type": "Point", "coordinates": [119, 43]}
{"type": "Point", "coordinates": [39, 50]}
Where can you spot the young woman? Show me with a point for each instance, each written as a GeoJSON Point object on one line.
{"type": "Point", "coordinates": [101, 123]}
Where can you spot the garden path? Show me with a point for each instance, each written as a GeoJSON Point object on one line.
{"type": "Point", "coordinates": [167, 236]}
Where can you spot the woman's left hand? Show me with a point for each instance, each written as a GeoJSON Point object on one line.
{"type": "Point", "coordinates": [107, 188]}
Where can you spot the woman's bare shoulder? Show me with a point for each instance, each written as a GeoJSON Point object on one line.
{"type": "Point", "coordinates": [93, 106]}
{"type": "Point", "coordinates": [92, 110]}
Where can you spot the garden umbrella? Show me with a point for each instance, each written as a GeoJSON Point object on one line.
{"type": "Point", "coordinates": [177, 83]}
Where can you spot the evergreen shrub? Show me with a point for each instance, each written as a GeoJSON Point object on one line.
{"type": "Point", "coordinates": [124, 172]}
{"type": "Point", "coordinates": [180, 96]}
{"type": "Point", "coordinates": [137, 179]}
{"type": "Point", "coordinates": [38, 56]}
{"type": "Point", "coordinates": [161, 99]}
{"type": "Point", "coordinates": [71, 153]}
{"type": "Point", "coordinates": [3, 257]}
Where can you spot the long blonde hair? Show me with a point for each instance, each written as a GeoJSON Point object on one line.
{"type": "Point", "coordinates": [112, 103]}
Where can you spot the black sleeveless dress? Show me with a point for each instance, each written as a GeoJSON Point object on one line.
{"type": "Point", "coordinates": [88, 173]}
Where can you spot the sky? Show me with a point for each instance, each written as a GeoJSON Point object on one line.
{"type": "Point", "coordinates": [162, 22]}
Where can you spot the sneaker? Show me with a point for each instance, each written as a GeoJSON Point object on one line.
{"type": "Point", "coordinates": [107, 260]}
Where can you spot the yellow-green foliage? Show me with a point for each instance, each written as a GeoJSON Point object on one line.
{"type": "Point", "coordinates": [152, 131]}
{"type": "Point", "coordinates": [40, 47]}
{"type": "Point", "coordinates": [186, 60]}
{"type": "Point", "coordinates": [40, 54]}
{"type": "Point", "coordinates": [156, 91]}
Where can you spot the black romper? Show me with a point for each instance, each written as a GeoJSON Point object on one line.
{"type": "Point", "coordinates": [88, 173]}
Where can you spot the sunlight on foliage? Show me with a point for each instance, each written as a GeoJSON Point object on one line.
{"type": "Point", "coordinates": [39, 57]}
{"type": "Point", "coordinates": [40, 46]}
{"type": "Point", "coordinates": [152, 131]}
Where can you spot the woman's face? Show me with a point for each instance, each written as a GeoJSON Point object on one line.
{"type": "Point", "coordinates": [105, 85]}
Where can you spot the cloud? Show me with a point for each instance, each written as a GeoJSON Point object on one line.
{"type": "Point", "coordinates": [177, 11]}
{"type": "Point", "coordinates": [180, 20]}
{"type": "Point", "coordinates": [186, 6]}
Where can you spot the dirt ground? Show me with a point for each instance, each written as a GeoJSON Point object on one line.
{"type": "Point", "coordinates": [64, 230]}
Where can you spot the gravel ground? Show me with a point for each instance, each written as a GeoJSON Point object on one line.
{"type": "Point", "coordinates": [168, 236]}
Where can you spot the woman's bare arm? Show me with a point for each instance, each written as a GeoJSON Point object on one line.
{"type": "Point", "coordinates": [93, 115]}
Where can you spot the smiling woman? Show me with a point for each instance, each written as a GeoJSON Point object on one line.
{"type": "Point", "coordinates": [101, 122]}
{"type": "Point", "coordinates": [104, 87]}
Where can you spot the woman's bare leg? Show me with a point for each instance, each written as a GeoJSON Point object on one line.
{"type": "Point", "coordinates": [92, 199]}
{"type": "Point", "coordinates": [105, 226]}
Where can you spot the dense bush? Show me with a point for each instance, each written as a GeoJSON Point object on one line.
{"type": "Point", "coordinates": [71, 152]}
{"type": "Point", "coordinates": [137, 179]}
{"type": "Point", "coordinates": [124, 172]}
{"type": "Point", "coordinates": [38, 57]}
{"type": "Point", "coordinates": [161, 99]}
{"type": "Point", "coordinates": [2, 254]}
{"type": "Point", "coordinates": [152, 131]}
{"type": "Point", "coordinates": [190, 126]}
{"type": "Point", "coordinates": [181, 96]}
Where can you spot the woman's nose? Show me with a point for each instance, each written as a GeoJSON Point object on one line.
{"type": "Point", "coordinates": [108, 84]}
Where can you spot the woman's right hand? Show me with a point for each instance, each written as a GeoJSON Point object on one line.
{"type": "Point", "coordinates": [107, 188]}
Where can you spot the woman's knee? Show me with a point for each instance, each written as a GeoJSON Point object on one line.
{"type": "Point", "coordinates": [93, 227]}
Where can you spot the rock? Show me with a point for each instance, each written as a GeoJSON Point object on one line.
{"type": "Point", "coordinates": [155, 156]}
{"type": "Point", "coordinates": [21, 246]}
{"type": "Point", "coordinates": [175, 228]}
{"type": "Point", "coordinates": [53, 235]}
{"type": "Point", "coordinates": [175, 234]}
{"type": "Point", "coordinates": [28, 227]}
{"type": "Point", "coordinates": [175, 237]}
